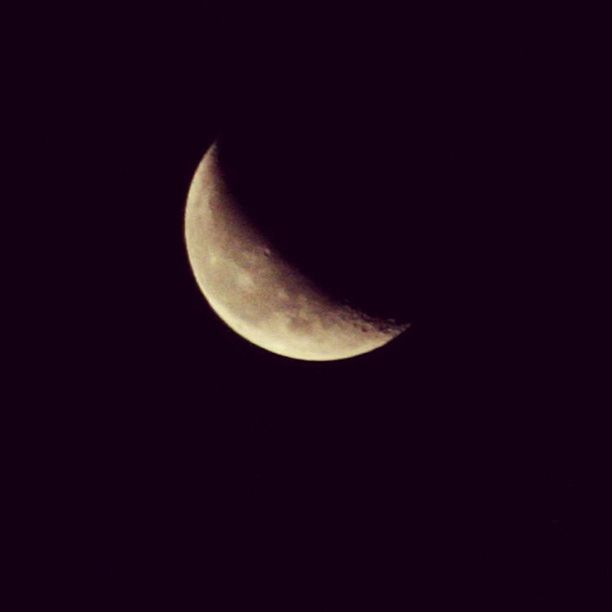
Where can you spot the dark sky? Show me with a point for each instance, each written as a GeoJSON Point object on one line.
{"type": "Point", "coordinates": [443, 159]}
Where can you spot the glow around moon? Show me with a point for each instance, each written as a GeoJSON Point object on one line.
{"type": "Point", "coordinates": [256, 292]}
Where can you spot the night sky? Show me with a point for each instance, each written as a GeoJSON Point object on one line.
{"type": "Point", "coordinates": [431, 170]}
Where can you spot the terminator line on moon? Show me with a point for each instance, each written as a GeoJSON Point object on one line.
{"type": "Point", "coordinates": [256, 292]}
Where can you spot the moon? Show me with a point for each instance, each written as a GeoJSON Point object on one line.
{"type": "Point", "coordinates": [257, 292]}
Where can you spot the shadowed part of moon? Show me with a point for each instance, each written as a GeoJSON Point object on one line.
{"type": "Point", "coordinates": [256, 292]}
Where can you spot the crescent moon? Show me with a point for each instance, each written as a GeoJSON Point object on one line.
{"type": "Point", "coordinates": [256, 292]}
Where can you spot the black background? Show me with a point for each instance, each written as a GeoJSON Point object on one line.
{"type": "Point", "coordinates": [179, 464]}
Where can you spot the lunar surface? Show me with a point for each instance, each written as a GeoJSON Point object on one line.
{"type": "Point", "coordinates": [256, 292]}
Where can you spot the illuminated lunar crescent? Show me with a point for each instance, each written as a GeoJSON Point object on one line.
{"type": "Point", "coordinates": [256, 292]}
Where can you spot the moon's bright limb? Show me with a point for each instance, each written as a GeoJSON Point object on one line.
{"type": "Point", "coordinates": [256, 292]}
